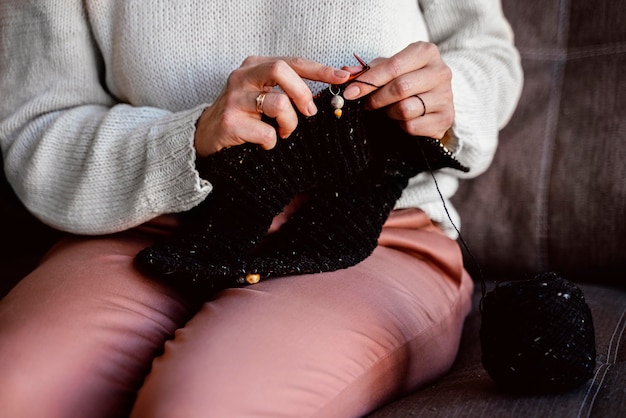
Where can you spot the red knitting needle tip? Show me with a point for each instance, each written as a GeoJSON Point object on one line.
{"type": "Point", "coordinates": [363, 64]}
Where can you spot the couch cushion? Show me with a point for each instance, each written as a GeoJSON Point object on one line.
{"type": "Point", "coordinates": [555, 196]}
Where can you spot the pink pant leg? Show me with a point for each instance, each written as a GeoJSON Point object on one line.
{"type": "Point", "coordinates": [78, 335]}
{"type": "Point", "coordinates": [330, 345]}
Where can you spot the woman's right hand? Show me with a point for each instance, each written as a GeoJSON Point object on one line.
{"type": "Point", "coordinates": [233, 118]}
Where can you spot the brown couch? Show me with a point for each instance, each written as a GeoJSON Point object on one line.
{"type": "Point", "coordinates": [554, 199]}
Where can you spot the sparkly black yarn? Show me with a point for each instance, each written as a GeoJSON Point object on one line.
{"type": "Point", "coordinates": [537, 335]}
{"type": "Point", "coordinates": [339, 226]}
{"type": "Point", "coordinates": [353, 168]}
{"type": "Point", "coordinates": [250, 187]}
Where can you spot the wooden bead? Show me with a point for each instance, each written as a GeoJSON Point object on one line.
{"type": "Point", "coordinates": [253, 278]}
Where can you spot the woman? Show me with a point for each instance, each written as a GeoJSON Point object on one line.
{"type": "Point", "coordinates": [106, 108]}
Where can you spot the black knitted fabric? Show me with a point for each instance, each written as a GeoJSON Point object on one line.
{"type": "Point", "coordinates": [339, 226]}
{"type": "Point", "coordinates": [537, 336]}
{"type": "Point", "coordinates": [251, 186]}
{"type": "Point", "coordinates": [335, 228]}
{"type": "Point", "coordinates": [353, 168]}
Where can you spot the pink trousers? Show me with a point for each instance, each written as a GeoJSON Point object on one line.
{"type": "Point", "coordinates": [86, 336]}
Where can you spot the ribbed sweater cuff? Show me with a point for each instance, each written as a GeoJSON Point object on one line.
{"type": "Point", "coordinates": [173, 178]}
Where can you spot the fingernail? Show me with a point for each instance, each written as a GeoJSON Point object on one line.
{"type": "Point", "coordinates": [342, 73]}
{"type": "Point", "coordinates": [311, 109]}
{"type": "Point", "coordinates": [351, 92]}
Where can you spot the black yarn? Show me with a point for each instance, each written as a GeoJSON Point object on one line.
{"type": "Point", "coordinates": [537, 335]}
{"type": "Point", "coordinates": [339, 225]}
{"type": "Point", "coordinates": [250, 187]}
{"type": "Point", "coordinates": [354, 169]}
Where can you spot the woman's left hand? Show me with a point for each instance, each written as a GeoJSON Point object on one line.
{"type": "Point", "coordinates": [417, 70]}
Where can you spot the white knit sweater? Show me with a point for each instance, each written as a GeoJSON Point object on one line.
{"type": "Point", "coordinates": [99, 98]}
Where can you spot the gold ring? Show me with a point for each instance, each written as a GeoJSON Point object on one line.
{"type": "Point", "coordinates": [259, 102]}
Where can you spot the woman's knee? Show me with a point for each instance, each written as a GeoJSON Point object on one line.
{"type": "Point", "coordinates": [77, 336]}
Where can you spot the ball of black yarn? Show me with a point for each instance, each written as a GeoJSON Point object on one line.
{"type": "Point", "coordinates": [537, 335]}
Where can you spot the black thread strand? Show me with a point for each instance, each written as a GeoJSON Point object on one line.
{"type": "Point", "coordinates": [483, 285]}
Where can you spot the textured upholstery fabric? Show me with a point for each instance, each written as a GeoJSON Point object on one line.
{"type": "Point", "coordinates": [555, 196]}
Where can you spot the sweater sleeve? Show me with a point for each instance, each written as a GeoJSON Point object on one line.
{"type": "Point", "coordinates": [476, 42]}
{"type": "Point", "coordinates": [79, 159]}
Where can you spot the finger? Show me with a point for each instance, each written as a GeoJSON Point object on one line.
{"type": "Point", "coordinates": [384, 70]}
{"type": "Point", "coordinates": [307, 69]}
{"type": "Point", "coordinates": [315, 71]}
{"type": "Point", "coordinates": [352, 69]}
{"type": "Point", "coordinates": [413, 107]}
{"type": "Point", "coordinates": [278, 106]}
{"type": "Point", "coordinates": [254, 131]}
{"type": "Point", "coordinates": [433, 125]}
{"type": "Point", "coordinates": [289, 74]}
{"type": "Point", "coordinates": [280, 74]}
{"type": "Point", "coordinates": [235, 128]}
{"type": "Point", "coordinates": [435, 80]}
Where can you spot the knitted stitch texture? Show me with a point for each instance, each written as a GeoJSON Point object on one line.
{"type": "Point", "coordinates": [252, 185]}
{"type": "Point", "coordinates": [355, 168]}
{"type": "Point", "coordinates": [537, 336]}
{"type": "Point", "coordinates": [100, 97]}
